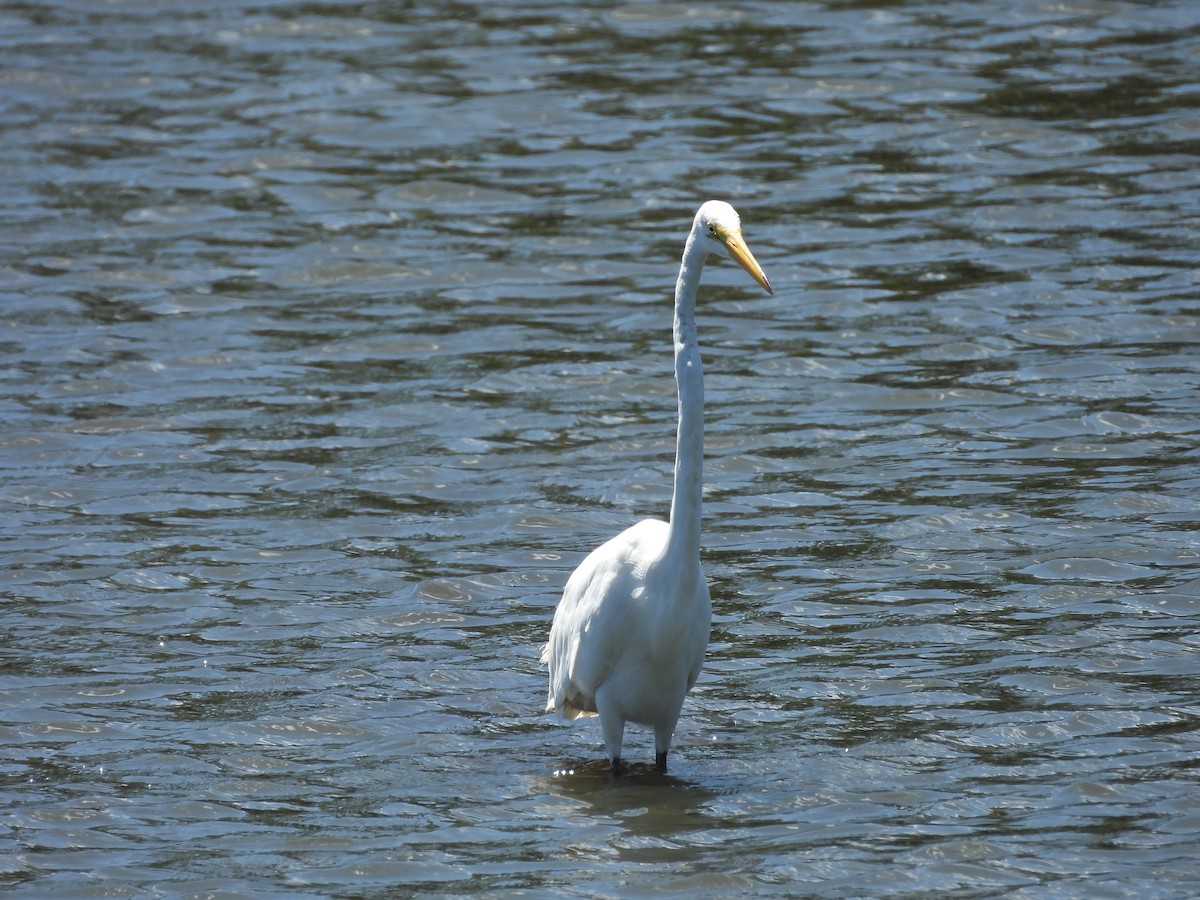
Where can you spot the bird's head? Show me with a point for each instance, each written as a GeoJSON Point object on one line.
{"type": "Point", "coordinates": [719, 227]}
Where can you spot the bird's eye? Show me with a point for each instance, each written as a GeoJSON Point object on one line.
{"type": "Point", "coordinates": [712, 229]}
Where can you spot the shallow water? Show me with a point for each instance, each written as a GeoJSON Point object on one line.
{"type": "Point", "coordinates": [335, 335]}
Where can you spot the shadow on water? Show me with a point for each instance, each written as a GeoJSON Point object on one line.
{"type": "Point", "coordinates": [654, 811]}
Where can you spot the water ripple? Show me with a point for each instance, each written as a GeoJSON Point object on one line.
{"type": "Point", "coordinates": [334, 336]}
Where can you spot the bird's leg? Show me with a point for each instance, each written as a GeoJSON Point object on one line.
{"type": "Point", "coordinates": [612, 724]}
{"type": "Point", "coordinates": [616, 765]}
{"type": "Point", "coordinates": [662, 743]}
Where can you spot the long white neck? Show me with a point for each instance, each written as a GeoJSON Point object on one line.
{"type": "Point", "coordinates": [684, 534]}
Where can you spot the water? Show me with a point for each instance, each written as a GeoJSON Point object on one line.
{"type": "Point", "coordinates": [335, 335]}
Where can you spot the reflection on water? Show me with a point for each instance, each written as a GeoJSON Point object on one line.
{"type": "Point", "coordinates": [334, 336]}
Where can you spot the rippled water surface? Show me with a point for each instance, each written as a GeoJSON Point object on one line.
{"type": "Point", "coordinates": [334, 335]}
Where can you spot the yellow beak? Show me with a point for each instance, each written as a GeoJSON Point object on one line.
{"type": "Point", "coordinates": [740, 254]}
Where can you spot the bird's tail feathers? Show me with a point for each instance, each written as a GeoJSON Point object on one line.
{"type": "Point", "coordinates": [568, 710]}
{"type": "Point", "coordinates": [571, 711]}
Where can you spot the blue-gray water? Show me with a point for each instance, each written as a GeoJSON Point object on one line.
{"type": "Point", "coordinates": [334, 335]}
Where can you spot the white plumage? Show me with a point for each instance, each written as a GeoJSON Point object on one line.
{"type": "Point", "coordinates": [630, 632]}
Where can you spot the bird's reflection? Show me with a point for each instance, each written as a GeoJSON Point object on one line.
{"type": "Point", "coordinates": [655, 811]}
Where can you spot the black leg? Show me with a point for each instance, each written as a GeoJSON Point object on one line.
{"type": "Point", "coordinates": [660, 761]}
{"type": "Point", "coordinates": [616, 765]}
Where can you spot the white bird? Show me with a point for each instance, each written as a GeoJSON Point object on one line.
{"type": "Point", "coordinates": [630, 632]}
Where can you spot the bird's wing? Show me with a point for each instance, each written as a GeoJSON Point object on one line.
{"type": "Point", "coordinates": [592, 620]}
{"type": "Point", "coordinates": [573, 650]}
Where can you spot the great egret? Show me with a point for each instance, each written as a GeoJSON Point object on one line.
{"type": "Point", "coordinates": [630, 632]}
